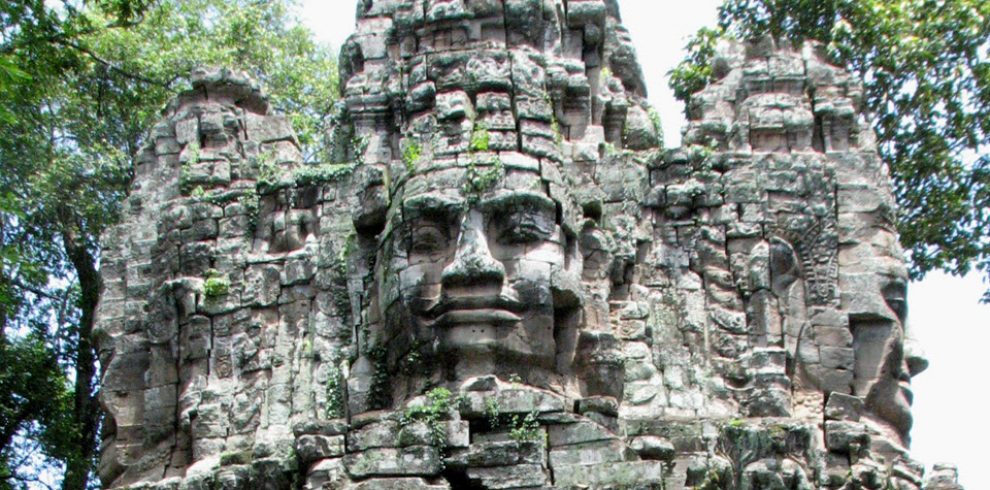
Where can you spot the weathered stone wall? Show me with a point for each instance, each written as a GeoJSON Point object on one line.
{"type": "Point", "coordinates": [503, 281]}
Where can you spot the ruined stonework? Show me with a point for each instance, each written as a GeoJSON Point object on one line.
{"type": "Point", "coordinates": [503, 280]}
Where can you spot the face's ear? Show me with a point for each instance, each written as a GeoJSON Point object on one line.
{"type": "Point", "coordinates": [784, 265]}
{"type": "Point", "coordinates": [369, 217]}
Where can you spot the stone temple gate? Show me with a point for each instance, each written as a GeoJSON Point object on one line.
{"type": "Point", "coordinates": [504, 281]}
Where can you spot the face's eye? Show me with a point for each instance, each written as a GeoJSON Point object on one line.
{"type": "Point", "coordinates": [428, 238]}
{"type": "Point", "coordinates": [524, 227]}
{"type": "Point", "coordinates": [895, 295]}
{"type": "Point", "coordinates": [522, 233]}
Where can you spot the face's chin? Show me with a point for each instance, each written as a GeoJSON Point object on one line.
{"type": "Point", "coordinates": [890, 399]}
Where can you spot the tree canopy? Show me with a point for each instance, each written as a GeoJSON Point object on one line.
{"type": "Point", "coordinates": [925, 68]}
{"type": "Point", "coordinates": [80, 84]}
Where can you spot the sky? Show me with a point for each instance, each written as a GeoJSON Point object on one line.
{"type": "Point", "coordinates": [945, 314]}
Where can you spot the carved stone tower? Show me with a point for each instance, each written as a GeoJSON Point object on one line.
{"type": "Point", "coordinates": [504, 281]}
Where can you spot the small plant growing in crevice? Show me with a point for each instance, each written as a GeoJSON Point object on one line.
{"type": "Point", "coordinates": [525, 428]}
{"type": "Point", "coordinates": [493, 413]}
{"type": "Point", "coordinates": [440, 401]}
{"type": "Point", "coordinates": [195, 153]}
{"type": "Point", "coordinates": [522, 428]}
{"type": "Point", "coordinates": [558, 135]}
{"type": "Point", "coordinates": [411, 153]}
{"type": "Point", "coordinates": [478, 182]}
{"type": "Point", "coordinates": [416, 361]}
{"type": "Point", "coordinates": [480, 139]}
{"type": "Point", "coordinates": [269, 172]}
{"type": "Point", "coordinates": [215, 285]}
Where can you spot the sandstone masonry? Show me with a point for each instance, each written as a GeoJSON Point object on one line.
{"type": "Point", "coordinates": [503, 281]}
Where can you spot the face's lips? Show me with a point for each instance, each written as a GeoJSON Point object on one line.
{"type": "Point", "coordinates": [477, 317]}
{"type": "Point", "coordinates": [908, 393]}
{"type": "Point", "coordinates": [475, 310]}
{"type": "Point", "coordinates": [501, 302]}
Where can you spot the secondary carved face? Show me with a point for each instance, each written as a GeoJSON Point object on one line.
{"type": "Point", "coordinates": [473, 272]}
{"type": "Point", "coordinates": [878, 312]}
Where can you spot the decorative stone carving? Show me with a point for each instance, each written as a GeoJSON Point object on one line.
{"type": "Point", "coordinates": [503, 282]}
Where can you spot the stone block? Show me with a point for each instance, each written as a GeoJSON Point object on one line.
{"type": "Point", "coordinates": [653, 447]}
{"type": "Point", "coordinates": [589, 453]}
{"type": "Point", "coordinates": [844, 407]}
{"type": "Point", "coordinates": [845, 437]}
{"type": "Point", "coordinates": [383, 462]}
{"type": "Point", "coordinates": [498, 453]}
{"type": "Point", "coordinates": [633, 474]}
{"type": "Point", "coordinates": [506, 477]}
{"type": "Point", "coordinates": [563, 435]}
{"type": "Point", "coordinates": [310, 448]}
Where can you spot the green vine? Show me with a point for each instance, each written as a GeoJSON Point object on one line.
{"type": "Point", "coordinates": [270, 176]}
{"type": "Point", "coordinates": [321, 174]}
{"type": "Point", "coordinates": [252, 204]}
{"type": "Point", "coordinates": [379, 396]}
{"type": "Point", "coordinates": [335, 389]}
{"type": "Point", "coordinates": [339, 275]}
{"type": "Point", "coordinates": [359, 145]}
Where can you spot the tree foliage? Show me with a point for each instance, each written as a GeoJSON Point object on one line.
{"type": "Point", "coordinates": [925, 67]}
{"type": "Point", "coordinates": [80, 84]}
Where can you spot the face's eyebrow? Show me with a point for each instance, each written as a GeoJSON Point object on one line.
{"type": "Point", "coordinates": [431, 204]}
{"type": "Point", "coordinates": [517, 200]}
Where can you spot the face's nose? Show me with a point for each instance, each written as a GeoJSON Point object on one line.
{"type": "Point", "coordinates": [473, 264]}
{"type": "Point", "coordinates": [914, 357]}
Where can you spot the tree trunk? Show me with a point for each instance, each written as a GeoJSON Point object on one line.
{"type": "Point", "coordinates": [86, 410]}
{"type": "Point", "coordinates": [4, 289]}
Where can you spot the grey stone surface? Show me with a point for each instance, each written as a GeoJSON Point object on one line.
{"type": "Point", "coordinates": [502, 281]}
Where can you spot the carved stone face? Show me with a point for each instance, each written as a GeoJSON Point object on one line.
{"type": "Point", "coordinates": [876, 303]}
{"type": "Point", "coordinates": [472, 273]}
